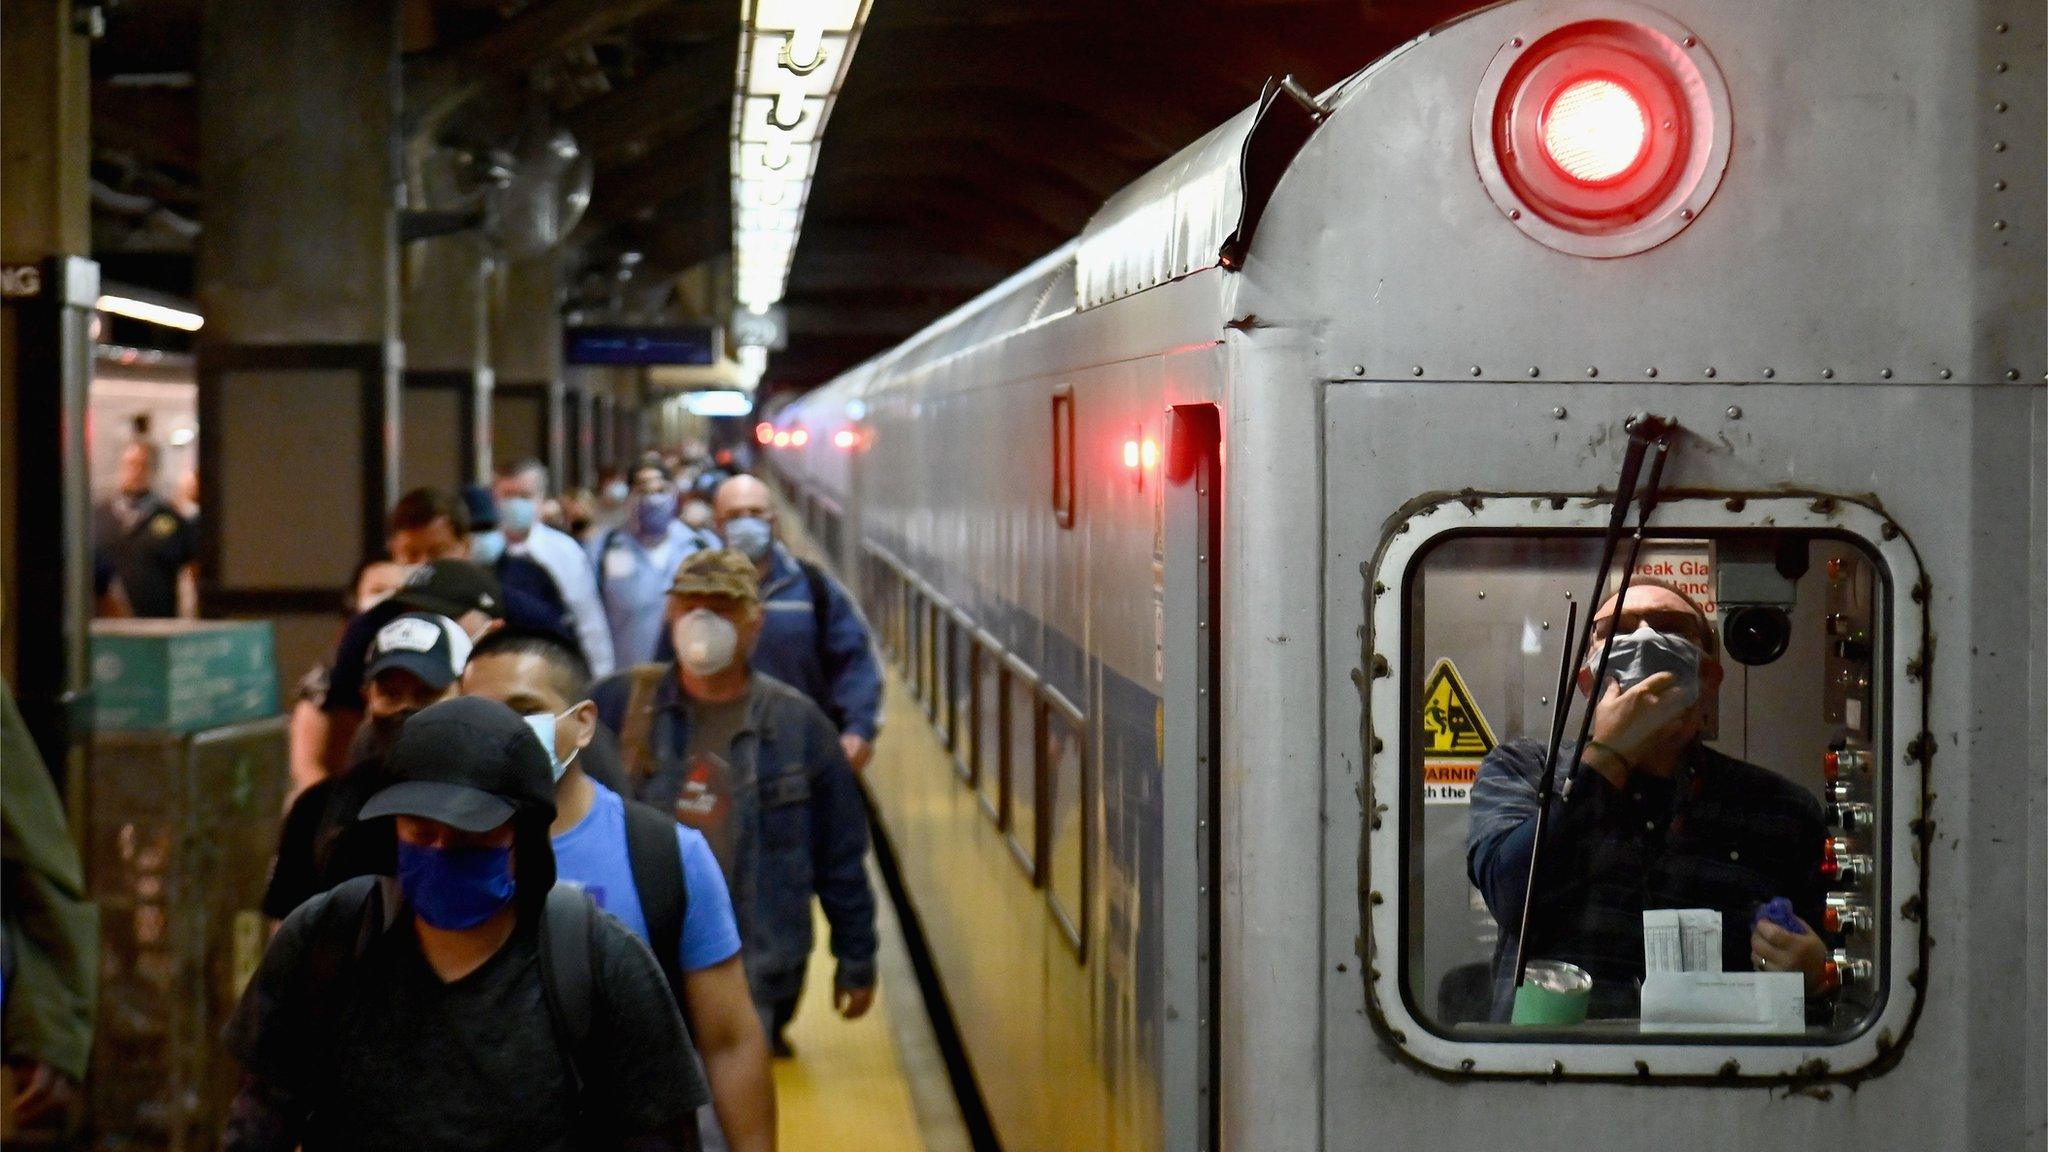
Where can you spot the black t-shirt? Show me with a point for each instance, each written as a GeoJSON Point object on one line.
{"type": "Point", "coordinates": [322, 844]}
{"type": "Point", "coordinates": [145, 543]}
{"type": "Point", "coordinates": [401, 1060]}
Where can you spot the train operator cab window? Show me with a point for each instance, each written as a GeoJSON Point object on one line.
{"type": "Point", "coordinates": [1727, 862]}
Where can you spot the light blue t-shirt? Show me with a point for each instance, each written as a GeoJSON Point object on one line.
{"type": "Point", "coordinates": [592, 856]}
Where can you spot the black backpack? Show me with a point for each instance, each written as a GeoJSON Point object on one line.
{"type": "Point", "coordinates": [664, 895]}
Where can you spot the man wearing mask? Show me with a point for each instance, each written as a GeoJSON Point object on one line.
{"type": "Point", "coordinates": [520, 488]}
{"type": "Point", "coordinates": [637, 560]}
{"type": "Point", "coordinates": [462, 591]}
{"type": "Point", "coordinates": [415, 661]}
{"type": "Point", "coordinates": [141, 539]}
{"type": "Point", "coordinates": [1648, 817]}
{"type": "Point", "coordinates": [469, 1004]}
{"type": "Point", "coordinates": [814, 638]}
{"type": "Point", "coordinates": [657, 876]}
{"type": "Point", "coordinates": [757, 768]}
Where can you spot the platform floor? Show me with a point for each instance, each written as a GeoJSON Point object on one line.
{"type": "Point", "coordinates": [877, 1084]}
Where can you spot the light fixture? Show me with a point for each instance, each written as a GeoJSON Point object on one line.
{"type": "Point", "coordinates": [718, 402]}
{"type": "Point", "coordinates": [151, 313]}
{"type": "Point", "coordinates": [793, 59]}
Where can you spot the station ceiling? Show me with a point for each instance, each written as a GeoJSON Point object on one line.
{"type": "Point", "coordinates": [970, 137]}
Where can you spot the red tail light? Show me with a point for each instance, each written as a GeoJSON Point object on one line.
{"type": "Point", "coordinates": [799, 438]}
{"type": "Point", "coordinates": [845, 439]}
{"type": "Point", "coordinates": [1596, 131]}
{"type": "Point", "coordinates": [764, 432]}
{"type": "Point", "coordinates": [782, 439]}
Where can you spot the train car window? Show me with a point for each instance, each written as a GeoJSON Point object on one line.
{"type": "Point", "coordinates": [939, 707]}
{"type": "Point", "coordinates": [960, 687]}
{"type": "Point", "coordinates": [930, 653]}
{"type": "Point", "coordinates": [913, 641]}
{"type": "Point", "coordinates": [1067, 865]}
{"type": "Point", "coordinates": [1726, 863]}
{"type": "Point", "coordinates": [1023, 770]}
{"type": "Point", "coordinates": [988, 729]}
{"type": "Point", "coordinates": [1063, 455]}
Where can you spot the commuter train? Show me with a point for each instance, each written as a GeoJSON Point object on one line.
{"type": "Point", "coordinates": [1217, 547]}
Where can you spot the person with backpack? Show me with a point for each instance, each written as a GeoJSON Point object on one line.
{"type": "Point", "coordinates": [469, 1003]}
{"type": "Point", "coordinates": [659, 878]}
{"type": "Point", "coordinates": [636, 560]}
{"type": "Point", "coordinates": [813, 638]}
{"type": "Point", "coordinates": [755, 766]}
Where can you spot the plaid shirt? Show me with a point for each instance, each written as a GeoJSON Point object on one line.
{"type": "Point", "coordinates": [1719, 834]}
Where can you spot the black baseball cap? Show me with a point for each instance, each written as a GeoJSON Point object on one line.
{"type": "Point", "coordinates": [469, 763]}
{"type": "Point", "coordinates": [431, 647]}
{"type": "Point", "coordinates": [452, 587]}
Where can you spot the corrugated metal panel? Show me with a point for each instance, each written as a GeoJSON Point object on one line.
{"type": "Point", "coordinates": [1171, 221]}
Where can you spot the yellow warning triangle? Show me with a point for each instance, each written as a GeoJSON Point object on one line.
{"type": "Point", "coordinates": [1452, 726]}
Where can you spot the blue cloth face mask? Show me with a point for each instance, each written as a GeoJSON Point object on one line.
{"type": "Point", "coordinates": [543, 726]}
{"type": "Point", "coordinates": [653, 512]}
{"type": "Point", "coordinates": [487, 548]}
{"type": "Point", "coordinates": [516, 514]}
{"type": "Point", "coordinates": [751, 535]}
{"type": "Point", "coordinates": [455, 888]}
{"type": "Point", "coordinates": [1645, 652]}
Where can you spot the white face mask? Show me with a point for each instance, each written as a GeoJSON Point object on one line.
{"type": "Point", "coordinates": [543, 726]}
{"type": "Point", "coordinates": [706, 642]}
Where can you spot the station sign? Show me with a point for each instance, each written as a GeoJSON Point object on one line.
{"type": "Point", "coordinates": [21, 281]}
{"type": "Point", "coordinates": [639, 345]}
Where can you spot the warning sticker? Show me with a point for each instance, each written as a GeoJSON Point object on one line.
{"type": "Point", "coordinates": [1455, 736]}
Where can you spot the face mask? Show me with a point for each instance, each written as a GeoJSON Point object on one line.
{"type": "Point", "coordinates": [697, 514]}
{"type": "Point", "coordinates": [455, 888]}
{"type": "Point", "coordinates": [486, 548]}
{"type": "Point", "coordinates": [750, 534]}
{"type": "Point", "coordinates": [543, 726]}
{"type": "Point", "coordinates": [1645, 652]}
{"type": "Point", "coordinates": [516, 514]}
{"type": "Point", "coordinates": [616, 492]}
{"type": "Point", "coordinates": [706, 642]}
{"type": "Point", "coordinates": [653, 512]}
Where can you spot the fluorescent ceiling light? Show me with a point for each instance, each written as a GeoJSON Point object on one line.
{"type": "Point", "coordinates": [151, 313]}
{"type": "Point", "coordinates": [824, 15]}
{"type": "Point", "coordinates": [718, 403]}
{"type": "Point", "coordinates": [798, 125]}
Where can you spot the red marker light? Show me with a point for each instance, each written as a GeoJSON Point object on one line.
{"type": "Point", "coordinates": [1131, 450]}
{"type": "Point", "coordinates": [1596, 131]}
{"type": "Point", "coordinates": [799, 438]}
{"type": "Point", "coordinates": [844, 439]}
{"type": "Point", "coordinates": [782, 439]}
{"type": "Point", "coordinates": [1149, 453]}
{"type": "Point", "coordinates": [764, 432]}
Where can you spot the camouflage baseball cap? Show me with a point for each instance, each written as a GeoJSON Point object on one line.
{"type": "Point", "coordinates": [717, 572]}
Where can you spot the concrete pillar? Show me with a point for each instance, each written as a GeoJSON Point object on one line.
{"type": "Point", "coordinates": [445, 318]}
{"type": "Point", "coordinates": [526, 354]}
{"type": "Point", "coordinates": [45, 370]}
{"type": "Point", "coordinates": [298, 276]}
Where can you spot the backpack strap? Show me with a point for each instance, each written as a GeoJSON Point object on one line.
{"type": "Point", "coordinates": [636, 729]}
{"type": "Point", "coordinates": [566, 976]}
{"type": "Point", "coordinates": [821, 623]}
{"type": "Point", "coordinates": [664, 894]}
{"type": "Point", "coordinates": [362, 911]}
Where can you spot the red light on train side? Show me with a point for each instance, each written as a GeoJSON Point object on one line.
{"type": "Point", "coordinates": [1131, 453]}
{"type": "Point", "coordinates": [1595, 130]}
{"type": "Point", "coordinates": [799, 438]}
{"type": "Point", "coordinates": [764, 432]}
{"type": "Point", "coordinates": [845, 439]}
{"type": "Point", "coordinates": [782, 439]}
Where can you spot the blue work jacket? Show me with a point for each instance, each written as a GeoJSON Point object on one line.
{"type": "Point", "coordinates": [839, 670]}
{"type": "Point", "coordinates": [800, 827]}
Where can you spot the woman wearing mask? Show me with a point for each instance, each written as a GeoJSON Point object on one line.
{"type": "Point", "coordinates": [637, 560]}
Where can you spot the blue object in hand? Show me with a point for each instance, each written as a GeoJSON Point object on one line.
{"type": "Point", "coordinates": [1778, 910]}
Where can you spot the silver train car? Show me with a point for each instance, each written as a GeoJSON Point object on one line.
{"type": "Point", "coordinates": [1220, 545]}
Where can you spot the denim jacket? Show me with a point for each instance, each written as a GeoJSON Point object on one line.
{"type": "Point", "coordinates": [799, 822]}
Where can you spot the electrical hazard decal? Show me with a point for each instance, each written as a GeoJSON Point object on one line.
{"type": "Point", "coordinates": [1455, 737]}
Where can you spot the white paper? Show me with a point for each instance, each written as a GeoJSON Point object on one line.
{"type": "Point", "coordinates": [1751, 1003]}
{"type": "Point", "coordinates": [1700, 936]}
{"type": "Point", "coordinates": [1663, 943]}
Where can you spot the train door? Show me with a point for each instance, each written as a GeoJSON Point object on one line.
{"type": "Point", "coordinates": [1190, 531]}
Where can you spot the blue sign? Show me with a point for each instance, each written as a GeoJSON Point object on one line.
{"type": "Point", "coordinates": [609, 344]}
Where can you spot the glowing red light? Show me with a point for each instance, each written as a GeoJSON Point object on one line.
{"type": "Point", "coordinates": [1131, 457]}
{"type": "Point", "coordinates": [844, 439]}
{"type": "Point", "coordinates": [782, 439]}
{"type": "Point", "coordinates": [799, 438]}
{"type": "Point", "coordinates": [1149, 453]}
{"type": "Point", "coordinates": [764, 432]}
{"type": "Point", "coordinates": [1595, 131]}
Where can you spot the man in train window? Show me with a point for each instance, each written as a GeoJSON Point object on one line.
{"type": "Point", "coordinates": [1649, 817]}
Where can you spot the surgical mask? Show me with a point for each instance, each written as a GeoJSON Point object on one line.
{"type": "Point", "coordinates": [1645, 652]}
{"type": "Point", "coordinates": [697, 514]}
{"type": "Point", "coordinates": [486, 548]}
{"type": "Point", "coordinates": [653, 512]}
{"type": "Point", "coordinates": [750, 534]}
{"type": "Point", "coordinates": [616, 492]}
{"type": "Point", "coordinates": [455, 888]}
{"type": "Point", "coordinates": [516, 514]}
{"type": "Point", "coordinates": [543, 726]}
{"type": "Point", "coordinates": [706, 642]}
